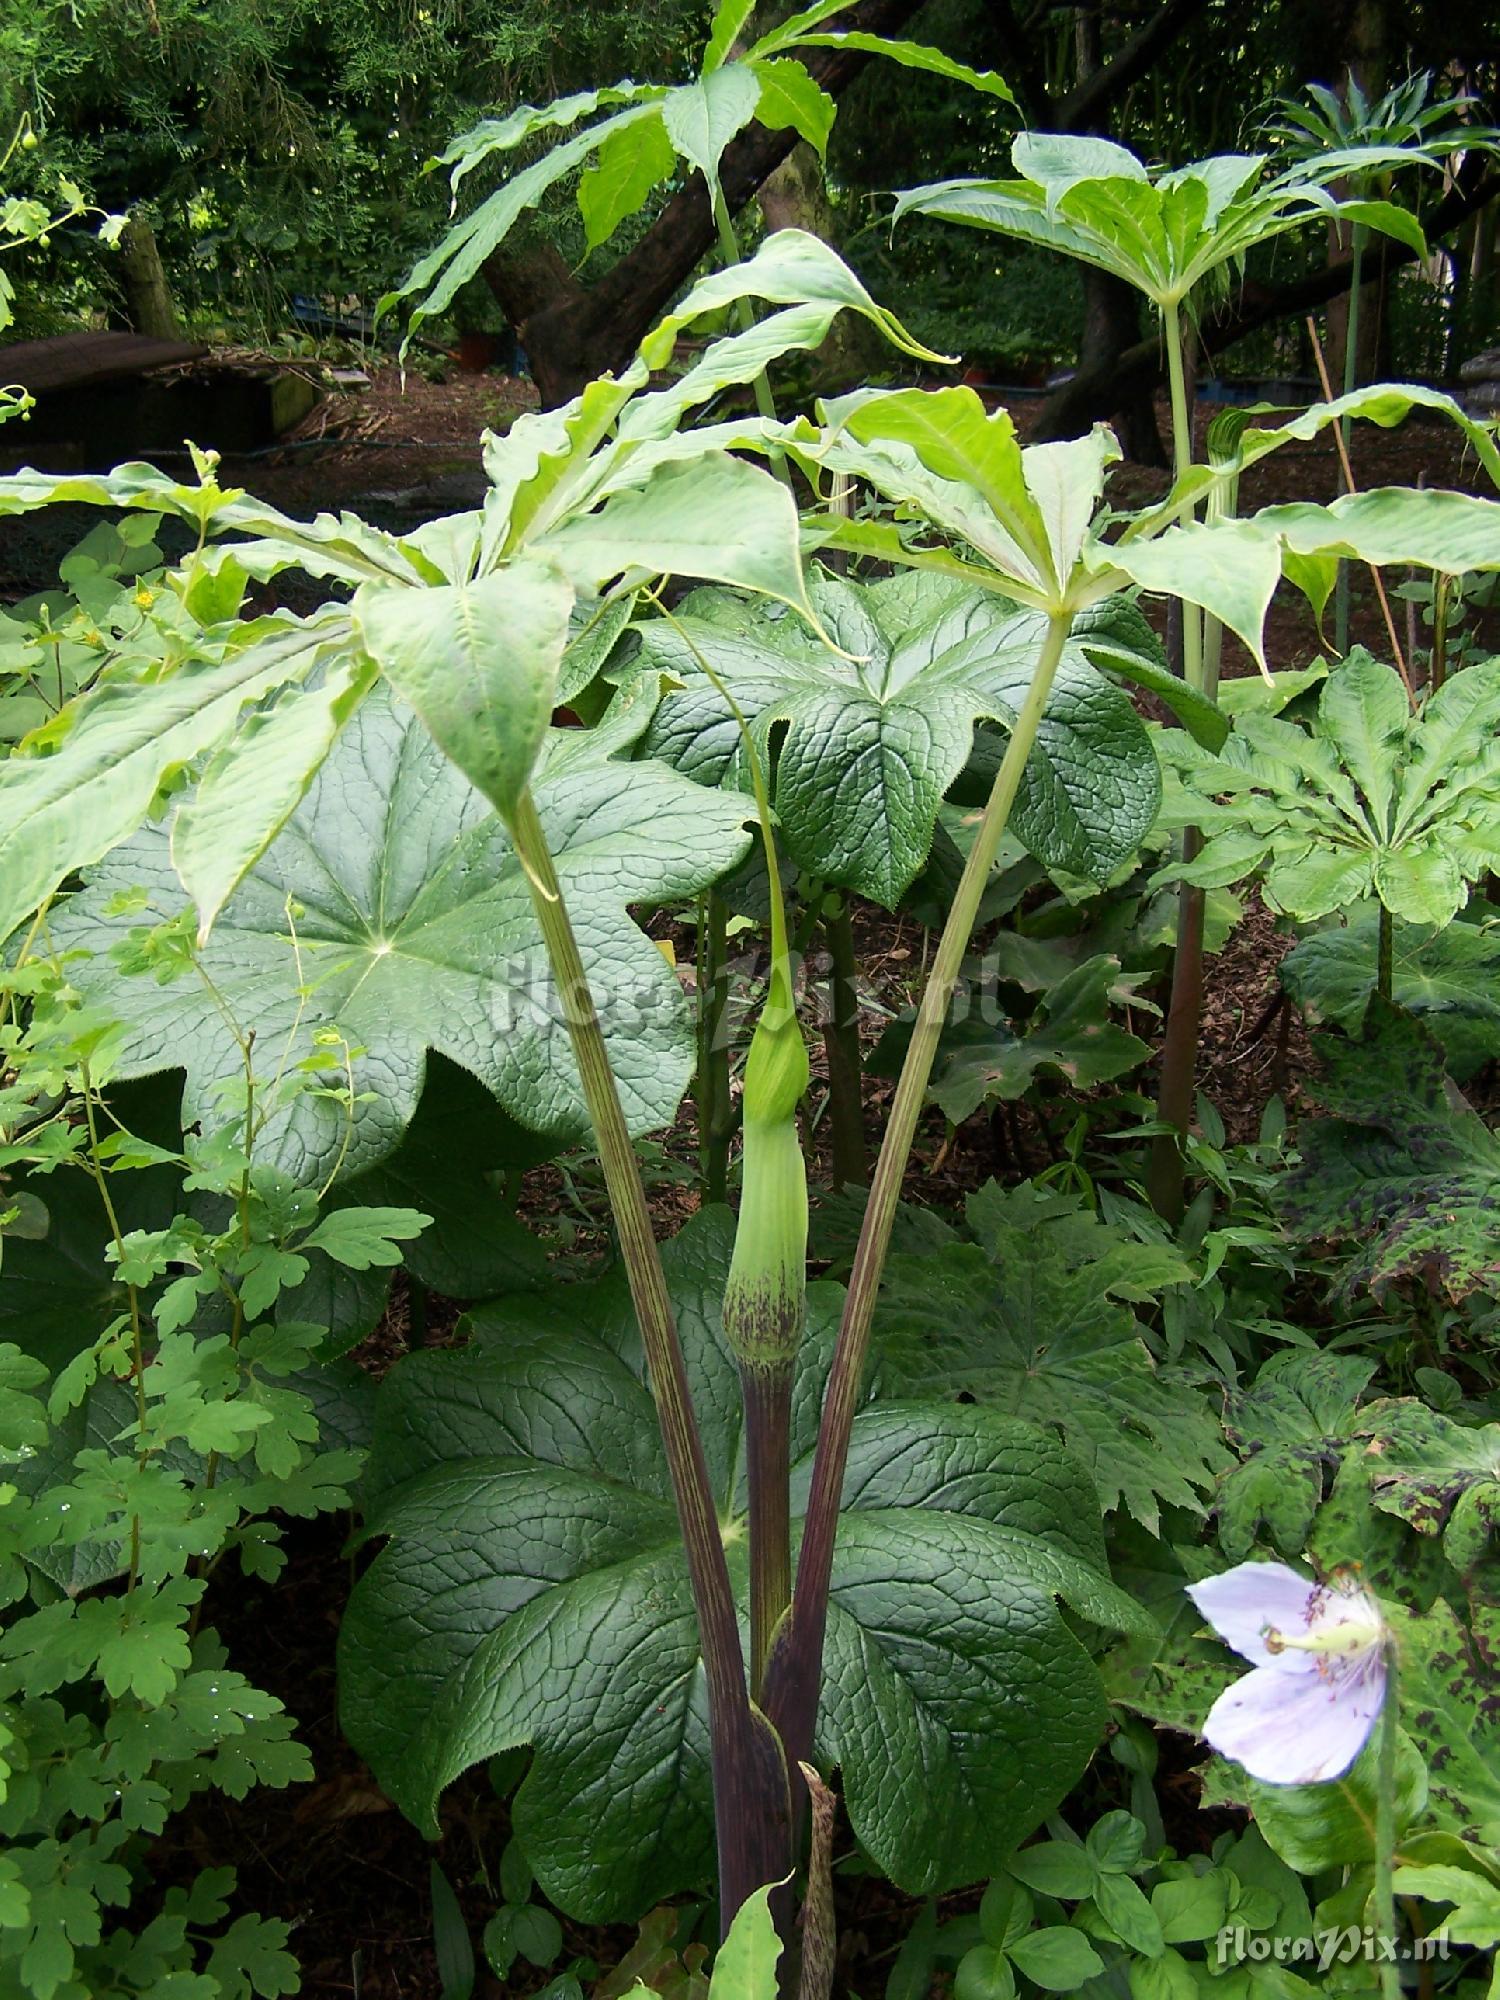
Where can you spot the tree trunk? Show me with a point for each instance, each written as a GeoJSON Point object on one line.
{"type": "Point", "coordinates": [1111, 326]}
{"type": "Point", "coordinates": [148, 297]}
{"type": "Point", "coordinates": [1365, 61]}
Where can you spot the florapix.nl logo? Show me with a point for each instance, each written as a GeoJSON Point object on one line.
{"type": "Point", "coordinates": [1347, 1944]}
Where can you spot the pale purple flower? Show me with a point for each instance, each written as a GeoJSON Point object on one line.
{"type": "Point", "coordinates": [1318, 1651]}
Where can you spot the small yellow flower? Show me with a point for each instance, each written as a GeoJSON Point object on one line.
{"type": "Point", "coordinates": [145, 598]}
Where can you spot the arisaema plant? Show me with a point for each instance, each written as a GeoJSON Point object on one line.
{"type": "Point", "coordinates": [1178, 236]}
{"type": "Point", "coordinates": [628, 138]}
{"type": "Point", "coordinates": [579, 1586]}
{"type": "Point", "coordinates": [1424, 130]}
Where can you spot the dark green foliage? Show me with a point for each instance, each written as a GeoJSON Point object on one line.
{"type": "Point", "coordinates": [1403, 1176]}
{"type": "Point", "coordinates": [866, 748]}
{"type": "Point", "coordinates": [1069, 1038]}
{"type": "Point", "coordinates": [1449, 978]}
{"type": "Point", "coordinates": [533, 1590]}
{"type": "Point", "coordinates": [279, 148]}
{"type": "Point", "coordinates": [1032, 1316]}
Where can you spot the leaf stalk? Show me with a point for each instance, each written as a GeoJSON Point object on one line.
{"type": "Point", "coordinates": [794, 1671]}
{"type": "Point", "coordinates": [749, 1776]}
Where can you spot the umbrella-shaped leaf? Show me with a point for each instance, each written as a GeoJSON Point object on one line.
{"type": "Point", "coordinates": [872, 742]}
{"type": "Point", "coordinates": [393, 907]}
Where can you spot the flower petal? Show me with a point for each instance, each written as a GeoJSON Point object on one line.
{"type": "Point", "coordinates": [1294, 1729]}
{"type": "Point", "coordinates": [1253, 1596]}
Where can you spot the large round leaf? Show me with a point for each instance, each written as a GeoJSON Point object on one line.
{"type": "Point", "coordinates": [393, 907]}
{"type": "Point", "coordinates": [533, 1591]}
{"type": "Point", "coordinates": [872, 742]}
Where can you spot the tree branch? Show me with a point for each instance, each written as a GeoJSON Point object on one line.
{"type": "Point", "coordinates": [1083, 106]}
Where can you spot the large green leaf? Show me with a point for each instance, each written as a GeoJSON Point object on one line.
{"type": "Point", "coordinates": [1428, 528]}
{"type": "Point", "coordinates": [872, 741]}
{"type": "Point", "coordinates": [790, 268]}
{"type": "Point", "coordinates": [253, 784]}
{"type": "Point", "coordinates": [393, 907]}
{"type": "Point", "coordinates": [1163, 233]}
{"type": "Point", "coordinates": [1286, 1429]}
{"type": "Point", "coordinates": [700, 118]}
{"type": "Point", "coordinates": [533, 1590]}
{"type": "Point", "coordinates": [1439, 1477]}
{"type": "Point", "coordinates": [1027, 1319]}
{"type": "Point", "coordinates": [631, 162]}
{"type": "Point", "coordinates": [714, 517]}
{"type": "Point", "coordinates": [1384, 403]}
{"type": "Point", "coordinates": [1031, 514]}
{"type": "Point", "coordinates": [1450, 979]}
{"type": "Point", "coordinates": [790, 96]}
{"type": "Point", "coordinates": [479, 663]}
{"type": "Point", "coordinates": [61, 811]}
{"type": "Point", "coordinates": [1333, 1824]}
{"type": "Point", "coordinates": [1401, 1175]}
{"type": "Point", "coordinates": [1449, 1667]}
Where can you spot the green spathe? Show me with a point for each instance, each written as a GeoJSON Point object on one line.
{"type": "Point", "coordinates": [764, 1296]}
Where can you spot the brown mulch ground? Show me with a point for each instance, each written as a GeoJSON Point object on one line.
{"type": "Point", "coordinates": [406, 430]}
{"type": "Point", "coordinates": [334, 1857]}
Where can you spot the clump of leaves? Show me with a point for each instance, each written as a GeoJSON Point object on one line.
{"type": "Point", "coordinates": [1448, 978]}
{"type": "Point", "coordinates": [570, 1596]}
{"type": "Point", "coordinates": [866, 747]}
{"type": "Point", "coordinates": [1030, 1313]}
{"type": "Point", "coordinates": [1069, 1035]}
{"type": "Point", "coordinates": [1371, 800]}
{"type": "Point", "coordinates": [1401, 1177]}
{"type": "Point", "coordinates": [155, 1419]}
